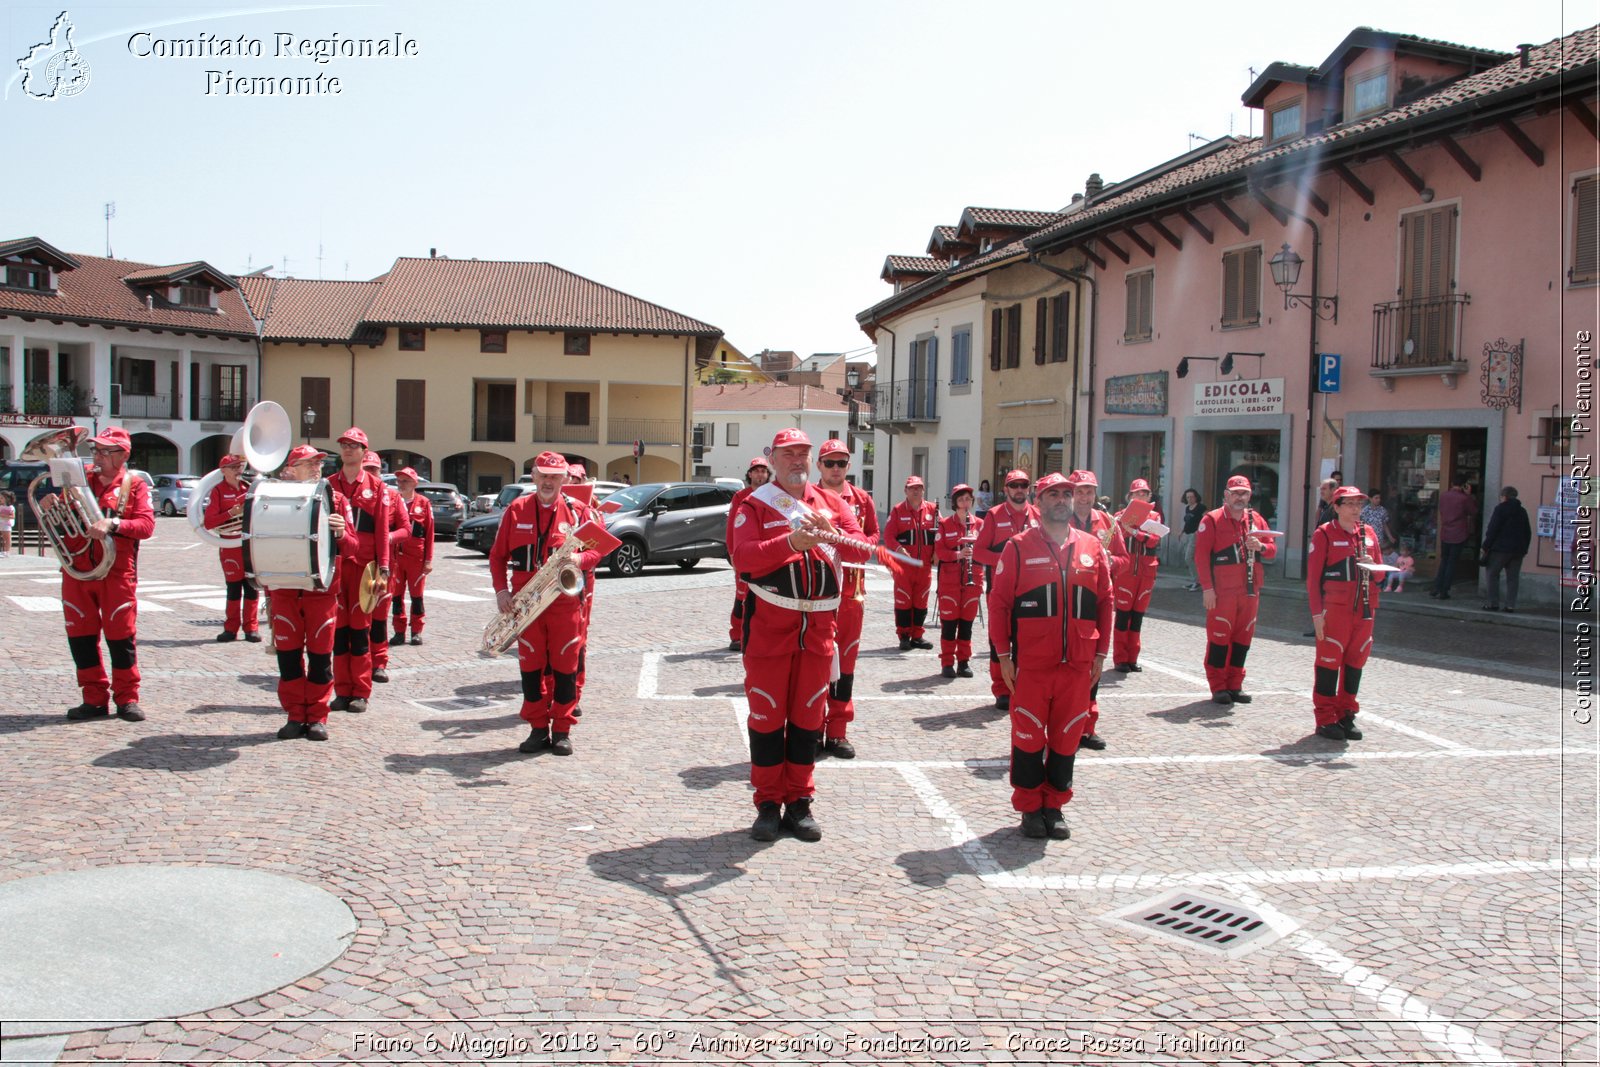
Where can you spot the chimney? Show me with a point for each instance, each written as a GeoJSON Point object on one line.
{"type": "Point", "coordinates": [433, 253]}
{"type": "Point", "coordinates": [1093, 187]}
{"type": "Point", "coordinates": [1077, 197]}
{"type": "Point", "coordinates": [1524, 49]}
{"type": "Point", "coordinates": [149, 302]}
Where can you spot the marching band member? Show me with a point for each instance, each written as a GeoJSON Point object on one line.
{"type": "Point", "coordinates": [834, 458]}
{"type": "Point", "coordinates": [790, 626]}
{"type": "Point", "coordinates": [532, 527]}
{"type": "Point", "coordinates": [369, 514]}
{"type": "Point", "coordinates": [960, 585]}
{"type": "Point", "coordinates": [1134, 574]}
{"type": "Point", "coordinates": [1050, 615]}
{"type": "Point", "coordinates": [914, 525]}
{"type": "Point", "coordinates": [107, 605]}
{"type": "Point", "coordinates": [1004, 521]}
{"type": "Point", "coordinates": [304, 621]}
{"type": "Point", "coordinates": [413, 561]}
{"type": "Point", "coordinates": [1090, 519]}
{"type": "Point", "coordinates": [577, 475]}
{"type": "Point", "coordinates": [399, 528]}
{"type": "Point", "coordinates": [1226, 551]}
{"type": "Point", "coordinates": [755, 476]}
{"type": "Point", "coordinates": [1344, 600]}
{"type": "Point", "coordinates": [226, 506]}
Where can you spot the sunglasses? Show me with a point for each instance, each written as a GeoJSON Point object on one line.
{"type": "Point", "coordinates": [836, 463]}
{"type": "Point", "coordinates": [1016, 485]}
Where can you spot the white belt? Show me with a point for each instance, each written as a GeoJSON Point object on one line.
{"type": "Point", "coordinates": [792, 603]}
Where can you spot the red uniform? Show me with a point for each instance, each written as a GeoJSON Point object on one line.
{"type": "Point", "coordinates": [219, 512]}
{"type": "Point", "coordinates": [1103, 526]}
{"type": "Point", "coordinates": [852, 608]}
{"type": "Point", "coordinates": [960, 589]}
{"type": "Point", "coordinates": [416, 552]}
{"type": "Point", "coordinates": [1224, 566]}
{"type": "Point", "coordinates": [1051, 607]}
{"type": "Point", "coordinates": [369, 511]}
{"type": "Point", "coordinates": [304, 623]}
{"type": "Point", "coordinates": [108, 605]}
{"type": "Point", "coordinates": [1347, 599]}
{"type": "Point", "coordinates": [1133, 573]}
{"type": "Point", "coordinates": [1000, 524]}
{"type": "Point", "coordinates": [915, 532]}
{"type": "Point", "coordinates": [736, 617]}
{"type": "Point", "coordinates": [399, 527]}
{"type": "Point", "coordinates": [583, 513]}
{"type": "Point", "coordinates": [529, 532]}
{"type": "Point", "coordinates": [790, 629]}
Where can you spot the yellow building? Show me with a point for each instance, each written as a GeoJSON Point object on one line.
{"type": "Point", "coordinates": [728, 365]}
{"type": "Point", "coordinates": [467, 369]}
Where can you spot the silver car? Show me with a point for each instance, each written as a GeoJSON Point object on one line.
{"type": "Point", "coordinates": [170, 495]}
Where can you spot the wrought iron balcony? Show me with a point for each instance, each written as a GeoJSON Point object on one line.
{"type": "Point", "coordinates": [650, 431]}
{"type": "Point", "coordinates": [223, 408]}
{"type": "Point", "coordinates": [126, 405]}
{"type": "Point", "coordinates": [1422, 336]}
{"type": "Point", "coordinates": [547, 430]}
{"type": "Point", "coordinates": [900, 404]}
{"type": "Point", "coordinates": [50, 400]}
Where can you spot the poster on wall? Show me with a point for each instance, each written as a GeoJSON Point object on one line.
{"type": "Point", "coordinates": [1435, 451]}
{"type": "Point", "coordinates": [1137, 394]}
{"type": "Point", "coordinates": [1025, 455]}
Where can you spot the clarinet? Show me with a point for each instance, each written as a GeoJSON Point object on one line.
{"type": "Point", "coordinates": [1363, 576]}
{"type": "Point", "coordinates": [966, 564]}
{"type": "Point", "coordinates": [1249, 555]}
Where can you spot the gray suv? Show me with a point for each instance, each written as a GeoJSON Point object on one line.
{"type": "Point", "coordinates": [667, 522]}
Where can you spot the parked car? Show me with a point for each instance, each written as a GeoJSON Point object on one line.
{"type": "Point", "coordinates": [171, 495]}
{"type": "Point", "coordinates": [667, 522]}
{"type": "Point", "coordinates": [483, 503]}
{"type": "Point", "coordinates": [449, 509]}
{"type": "Point", "coordinates": [479, 532]}
{"type": "Point", "coordinates": [16, 476]}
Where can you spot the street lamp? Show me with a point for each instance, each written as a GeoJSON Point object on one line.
{"type": "Point", "coordinates": [95, 408]}
{"type": "Point", "coordinates": [308, 419]}
{"type": "Point", "coordinates": [1286, 274]}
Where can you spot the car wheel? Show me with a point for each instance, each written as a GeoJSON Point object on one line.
{"type": "Point", "coordinates": [627, 560]}
{"type": "Point", "coordinates": [168, 509]}
{"type": "Point", "coordinates": [688, 564]}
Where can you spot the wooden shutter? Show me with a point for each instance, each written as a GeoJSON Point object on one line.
{"type": "Point", "coordinates": [1428, 240]}
{"type": "Point", "coordinates": [410, 405]}
{"type": "Point", "coordinates": [1041, 329]}
{"type": "Point", "coordinates": [1250, 286]}
{"type": "Point", "coordinates": [1058, 335]}
{"type": "Point", "coordinates": [1138, 323]}
{"type": "Point", "coordinates": [577, 409]}
{"type": "Point", "coordinates": [1014, 335]}
{"type": "Point", "coordinates": [314, 394]}
{"type": "Point", "coordinates": [996, 332]}
{"type": "Point", "coordinates": [1586, 238]}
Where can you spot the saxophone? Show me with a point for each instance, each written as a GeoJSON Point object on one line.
{"type": "Point", "coordinates": [559, 576]}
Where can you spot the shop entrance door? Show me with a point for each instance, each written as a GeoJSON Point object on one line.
{"type": "Point", "coordinates": [1412, 469]}
{"type": "Point", "coordinates": [1254, 455]}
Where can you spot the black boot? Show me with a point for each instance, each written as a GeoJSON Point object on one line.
{"type": "Point", "coordinates": [131, 711]}
{"type": "Point", "coordinates": [798, 821]}
{"type": "Point", "coordinates": [560, 744]}
{"type": "Point", "coordinates": [1055, 825]}
{"type": "Point", "coordinates": [1034, 826]}
{"type": "Point", "coordinates": [905, 644]}
{"type": "Point", "coordinates": [947, 671]}
{"type": "Point", "coordinates": [769, 820]}
{"type": "Point", "coordinates": [537, 741]}
{"type": "Point", "coordinates": [399, 638]}
{"type": "Point", "coordinates": [964, 669]}
{"type": "Point", "coordinates": [1351, 730]}
{"type": "Point", "coordinates": [291, 730]}
{"type": "Point", "coordinates": [88, 711]}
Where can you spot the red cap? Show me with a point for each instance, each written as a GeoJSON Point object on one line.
{"type": "Point", "coordinates": [230, 460]}
{"type": "Point", "coordinates": [550, 463]}
{"type": "Point", "coordinates": [833, 445]}
{"type": "Point", "coordinates": [1239, 481]}
{"type": "Point", "coordinates": [303, 452]}
{"type": "Point", "coordinates": [1139, 486]}
{"type": "Point", "coordinates": [759, 461]}
{"type": "Point", "coordinates": [1077, 478]}
{"type": "Point", "coordinates": [1018, 476]}
{"type": "Point", "coordinates": [1051, 480]}
{"type": "Point", "coordinates": [371, 461]}
{"type": "Point", "coordinates": [113, 437]}
{"type": "Point", "coordinates": [406, 472]}
{"type": "Point", "coordinates": [575, 470]}
{"type": "Point", "coordinates": [788, 438]}
{"type": "Point", "coordinates": [913, 482]}
{"type": "Point", "coordinates": [962, 488]}
{"type": "Point", "coordinates": [355, 435]}
{"type": "Point", "coordinates": [1345, 492]}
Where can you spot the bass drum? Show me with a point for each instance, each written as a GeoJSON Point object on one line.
{"type": "Point", "coordinates": [285, 537]}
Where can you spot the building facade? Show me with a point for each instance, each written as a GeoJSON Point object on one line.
{"type": "Point", "coordinates": [732, 423]}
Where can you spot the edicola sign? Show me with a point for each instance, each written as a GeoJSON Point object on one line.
{"type": "Point", "coordinates": [1254, 396]}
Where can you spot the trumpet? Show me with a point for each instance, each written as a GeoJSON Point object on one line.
{"type": "Point", "coordinates": [73, 510]}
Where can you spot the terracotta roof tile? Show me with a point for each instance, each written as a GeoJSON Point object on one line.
{"type": "Point", "coordinates": [96, 291]}
{"type": "Point", "coordinates": [767, 396]}
{"type": "Point", "coordinates": [999, 216]}
{"type": "Point", "coordinates": [913, 265]}
{"type": "Point", "coordinates": [304, 309]}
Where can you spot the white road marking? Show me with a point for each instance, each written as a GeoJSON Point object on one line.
{"type": "Point", "coordinates": [1332, 756]}
{"type": "Point", "coordinates": [178, 592]}
{"type": "Point", "coordinates": [649, 667]}
{"type": "Point", "coordinates": [972, 850]}
{"type": "Point", "coordinates": [212, 604]}
{"type": "Point", "coordinates": [740, 710]}
{"type": "Point", "coordinates": [1084, 883]}
{"type": "Point", "coordinates": [30, 574]}
{"type": "Point", "coordinates": [1390, 724]}
{"type": "Point", "coordinates": [1171, 673]}
{"type": "Point", "coordinates": [36, 603]}
{"type": "Point", "coordinates": [445, 594]}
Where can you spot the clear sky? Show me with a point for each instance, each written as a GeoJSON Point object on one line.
{"type": "Point", "coordinates": [749, 164]}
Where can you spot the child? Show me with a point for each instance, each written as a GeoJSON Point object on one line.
{"type": "Point", "coordinates": [1407, 565]}
{"type": "Point", "coordinates": [8, 515]}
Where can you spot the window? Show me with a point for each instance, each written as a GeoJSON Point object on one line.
{"type": "Point", "coordinates": [868, 450]}
{"type": "Point", "coordinates": [491, 340]}
{"type": "Point", "coordinates": [194, 296]}
{"type": "Point", "coordinates": [228, 393]}
{"type": "Point", "coordinates": [1424, 320]}
{"type": "Point", "coordinates": [1283, 122]}
{"type": "Point", "coordinates": [1014, 336]}
{"type": "Point", "coordinates": [413, 339]}
{"type": "Point", "coordinates": [866, 480]}
{"type": "Point", "coordinates": [28, 276]}
{"type": "Point", "coordinates": [1555, 436]}
{"type": "Point", "coordinates": [961, 355]}
{"type": "Point", "coordinates": [1241, 287]}
{"type": "Point", "coordinates": [1586, 232]}
{"type": "Point", "coordinates": [575, 344]}
{"type": "Point", "coordinates": [921, 402]}
{"type": "Point", "coordinates": [1041, 330]}
{"type": "Point", "coordinates": [314, 396]}
{"type": "Point", "coordinates": [678, 498]}
{"type": "Point", "coordinates": [410, 405]}
{"type": "Point", "coordinates": [1141, 296]}
{"type": "Point", "coordinates": [1369, 93]}
{"type": "Point", "coordinates": [956, 461]}
{"type": "Point", "coordinates": [577, 409]}
{"type": "Point", "coordinates": [731, 438]}
{"type": "Point", "coordinates": [137, 376]}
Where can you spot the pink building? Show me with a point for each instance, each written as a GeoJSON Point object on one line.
{"type": "Point", "coordinates": [1440, 204]}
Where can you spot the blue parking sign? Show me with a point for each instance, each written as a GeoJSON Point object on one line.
{"type": "Point", "coordinates": [1328, 372]}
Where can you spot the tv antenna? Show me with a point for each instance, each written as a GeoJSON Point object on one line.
{"type": "Point", "coordinates": [111, 213]}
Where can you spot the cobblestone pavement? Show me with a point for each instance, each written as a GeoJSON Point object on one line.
{"type": "Point", "coordinates": [1426, 895]}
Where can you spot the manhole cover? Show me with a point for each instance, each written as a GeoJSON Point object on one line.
{"type": "Point", "coordinates": [448, 704]}
{"type": "Point", "coordinates": [1204, 921]}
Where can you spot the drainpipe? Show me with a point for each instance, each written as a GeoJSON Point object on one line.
{"type": "Point", "coordinates": [1077, 276]}
{"type": "Point", "coordinates": [1311, 380]}
{"type": "Point", "coordinates": [688, 391]}
{"type": "Point", "coordinates": [351, 349]}
{"type": "Point", "coordinates": [894, 344]}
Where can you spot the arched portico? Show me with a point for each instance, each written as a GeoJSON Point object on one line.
{"type": "Point", "coordinates": [207, 453]}
{"type": "Point", "coordinates": [477, 472]}
{"type": "Point", "coordinates": [154, 454]}
{"type": "Point", "coordinates": [396, 458]}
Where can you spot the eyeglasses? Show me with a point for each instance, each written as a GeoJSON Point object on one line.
{"type": "Point", "coordinates": [1016, 485]}
{"type": "Point", "coordinates": [105, 450]}
{"type": "Point", "coordinates": [835, 463]}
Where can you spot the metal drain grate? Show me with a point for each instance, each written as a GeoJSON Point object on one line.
{"type": "Point", "coordinates": [1203, 921]}
{"type": "Point", "coordinates": [449, 704]}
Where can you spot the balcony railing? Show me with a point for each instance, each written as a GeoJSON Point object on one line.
{"type": "Point", "coordinates": [126, 405]}
{"type": "Point", "coordinates": [48, 400]}
{"type": "Point", "coordinates": [223, 408]}
{"type": "Point", "coordinates": [916, 400]}
{"type": "Point", "coordinates": [558, 431]}
{"type": "Point", "coordinates": [1418, 336]}
{"type": "Point", "coordinates": [650, 431]}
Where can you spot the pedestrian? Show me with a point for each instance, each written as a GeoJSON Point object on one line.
{"type": "Point", "coordinates": [532, 528]}
{"type": "Point", "coordinates": [411, 559]}
{"type": "Point", "coordinates": [1090, 517]}
{"type": "Point", "coordinates": [1376, 516]}
{"type": "Point", "coordinates": [960, 585]}
{"type": "Point", "coordinates": [8, 518]}
{"type": "Point", "coordinates": [109, 604]}
{"type": "Point", "coordinates": [305, 621]}
{"type": "Point", "coordinates": [1505, 543]}
{"type": "Point", "coordinates": [1012, 516]}
{"type": "Point", "coordinates": [369, 515]}
{"type": "Point", "coordinates": [791, 623]}
{"type": "Point", "coordinates": [756, 474]}
{"type": "Point", "coordinates": [1050, 610]}
{"type": "Point", "coordinates": [223, 512]}
{"type": "Point", "coordinates": [1325, 511]}
{"type": "Point", "coordinates": [834, 459]}
{"type": "Point", "coordinates": [1134, 578]}
{"type": "Point", "coordinates": [913, 524]}
{"type": "Point", "coordinates": [1193, 511]}
{"type": "Point", "coordinates": [1458, 512]}
{"type": "Point", "coordinates": [984, 500]}
{"type": "Point", "coordinates": [1344, 600]}
{"type": "Point", "coordinates": [1231, 551]}
{"type": "Point", "coordinates": [399, 532]}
